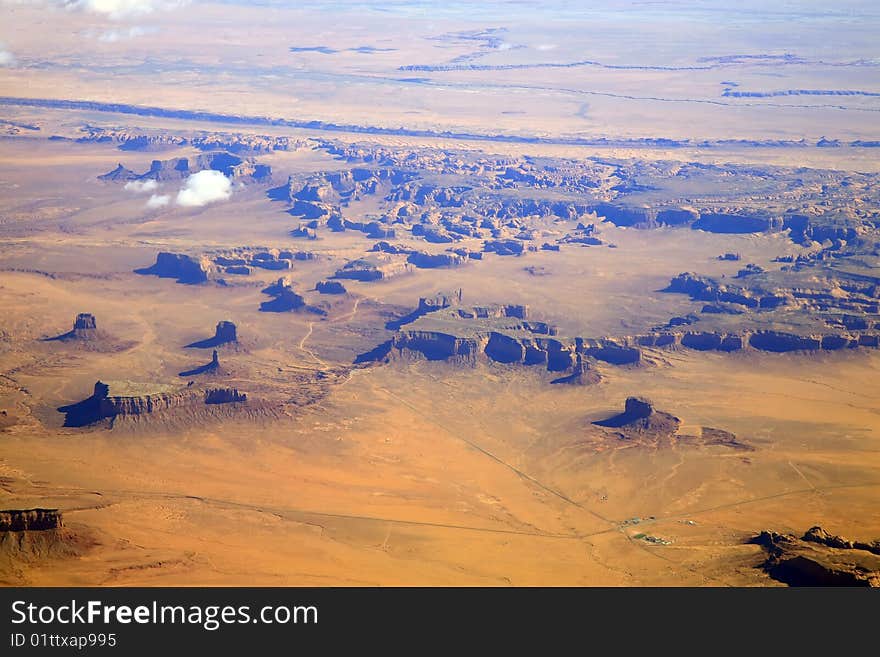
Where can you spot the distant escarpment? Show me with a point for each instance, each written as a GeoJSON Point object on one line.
{"type": "Point", "coordinates": [445, 197]}
{"type": "Point", "coordinates": [819, 558]}
{"type": "Point", "coordinates": [216, 141]}
{"type": "Point", "coordinates": [812, 205]}
{"type": "Point", "coordinates": [803, 228]}
{"type": "Point", "coordinates": [114, 399]}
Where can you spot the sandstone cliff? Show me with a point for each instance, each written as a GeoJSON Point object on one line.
{"type": "Point", "coordinates": [124, 398]}
{"type": "Point", "coordinates": [30, 520]}
{"type": "Point", "coordinates": [818, 559]}
{"type": "Point", "coordinates": [184, 268]}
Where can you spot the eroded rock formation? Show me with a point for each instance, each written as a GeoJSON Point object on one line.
{"type": "Point", "coordinates": [85, 327]}
{"type": "Point", "coordinates": [85, 322]}
{"type": "Point", "coordinates": [32, 535]}
{"type": "Point", "coordinates": [638, 417]}
{"type": "Point", "coordinates": [284, 299]}
{"type": "Point", "coordinates": [424, 260]}
{"type": "Point", "coordinates": [224, 333]}
{"type": "Point", "coordinates": [372, 268]}
{"type": "Point", "coordinates": [30, 520]}
{"type": "Point", "coordinates": [184, 268]}
{"type": "Point", "coordinates": [330, 287]}
{"type": "Point", "coordinates": [125, 398]}
{"type": "Point", "coordinates": [230, 165]}
{"type": "Point", "coordinates": [819, 559]}
{"type": "Point", "coordinates": [213, 367]}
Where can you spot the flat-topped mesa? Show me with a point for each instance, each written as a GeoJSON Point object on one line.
{"type": "Point", "coordinates": [762, 340]}
{"type": "Point", "coordinates": [30, 520]}
{"type": "Point", "coordinates": [640, 417]}
{"type": "Point", "coordinates": [126, 398]}
{"type": "Point", "coordinates": [424, 260]}
{"type": "Point", "coordinates": [645, 216]}
{"type": "Point", "coordinates": [113, 399]}
{"type": "Point", "coordinates": [528, 342]}
{"type": "Point", "coordinates": [498, 333]}
{"type": "Point", "coordinates": [745, 221]}
{"type": "Point", "coordinates": [330, 287]}
{"type": "Point", "coordinates": [85, 322]}
{"type": "Point", "coordinates": [84, 328]}
{"type": "Point", "coordinates": [703, 288]}
{"type": "Point", "coordinates": [179, 168]}
{"type": "Point", "coordinates": [225, 332]}
{"type": "Point", "coordinates": [434, 345]}
{"type": "Point", "coordinates": [372, 268]}
{"type": "Point", "coordinates": [185, 268]}
{"type": "Point", "coordinates": [504, 247]}
{"type": "Point", "coordinates": [779, 311]}
{"type": "Point", "coordinates": [388, 247]}
{"type": "Point", "coordinates": [735, 221]}
{"type": "Point", "coordinates": [439, 301]}
{"type": "Point", "coordinates": [284, 299]}
{"type": "Point", "coordinates": [638, 408]}
{"type": "Point", "coordinates": [495, 311]}
{"type": "Point", "coordinates": [582, 374]}
{"type": "Point", "coordinates": [267, 260]}
{"type": "Point", "coordinates": [627, 215]}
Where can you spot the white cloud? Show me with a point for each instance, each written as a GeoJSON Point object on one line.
{"type": "Point", "coordinates": [114, 9]}
{"type": "Point", "coordinates": [204, 187]}
{"type": "Point", "coordinates": [138, 186]}
{"type": "Point", "coordinates": [112, 36]}
{"type": "Point", "coordinates": [546, 46]}
{"type": "Point", "coordinates": [6, 58]}
{"type": "Point", "coordinates": [157, 201]}
{"type": "Point", "coordinates": [122, 8]}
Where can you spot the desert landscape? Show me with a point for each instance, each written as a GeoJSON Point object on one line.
{"type": "Point", "coordinates": [422, 294]}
